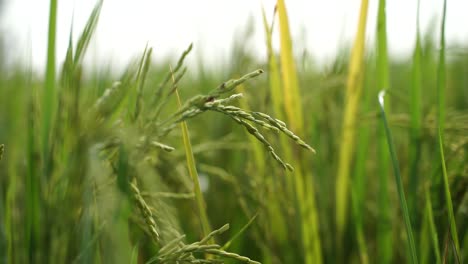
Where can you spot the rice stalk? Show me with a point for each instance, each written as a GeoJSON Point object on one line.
{"type": "Point", "coordinates": [398, 181]}
{"type": "Point", "coordinates": [141, 77]}
{"type": "Point", "coordinates": [428, 232]}
{"type": "Point", "coordinates": [87, 33]}
{"type": "Point", "coordinates": [240, 116]}
{"type": "Point", "coordinates": [273, 71]}
{"type": "Point", "coordinates": [416, 120]}
{"type": "Point", "coordinates": [201, 205]}
{"type": "Point", "coordinates": [49, 92]}
{"type": "Point", "coordinates": [160, 99]}
{"type": "Point", "coordinates": [274, 82]}
{"type": "Point", "coordinates": [441, 86]}
{"type": "Point", "coordinates": [48, 104]}
{"type": "Point", "coordinates": [291, 92]}
{"type": "Point", "coordinates": [235, 236]}
{"type": "Point", "coordinates": [134, 258]}
{"type": "Point", "coordinates": [353, 94]}
{"type": "Point", "coordinates": [196, 104]}
{"type": "Point", "coordinates": [360, 181]}
{"type": "Point", "coordinates": [201, 103]}
{"type": "Point", "coordinates": [384, 226]}
{"type": "Point", "coordinates": [247, 119]}
{"type": "Point", "coordinates": [301, 183]}
{"type": "Point", "coordinates": [32, 183]}
{"type": "Point", "coordinates": [429, 229]}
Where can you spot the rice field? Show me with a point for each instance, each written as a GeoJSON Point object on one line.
{"type": "Point", "coordinates": [362, 161]}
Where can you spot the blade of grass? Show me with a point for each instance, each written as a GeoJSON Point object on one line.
{"type": "Point", "coordinates": [398, 181]}
{"type": "Point", "coordinates": [274, 209]}
{"type": "Point", "coordinates": [359, 182]}
{"type": "Point", "coordinates": [415, 129]}
{"type": "Point", "coordinates": [49, 92]}
{"type": "Point", "coordinates": [291, 93]}
{"type": "Point", "coordinates": [353, 94]}
{"type": "Point", "coordinates": [277, 219]}
{"type": "Point", "coordinates": [302, 180]}
{"type": "Point", "coordinates": [274, 74]}
{"type": "Point", "coordinates": [141, 78]}
{"type": "Point", "coordinates": [205, 224]}
{"type": "Point", "coordinates": [85, 37]}
{"type": "Point", "coordinates": [160, 97]}
{"type": "Point", "coordinates": [276, 88]}
{"type": "Point", "coordinates": [384, 227]}
{"type": "Point", "coordinates": [48, 108]}
{"type": "Point", "coordinates": [32, 184]}
{"type": "Point", "coordinates": [357, 214]}
{"type": "Point", "coordinates": [429, 228]}
{"type": "Point", "coordinates": [441, 85]}
{"type": "Point", "coordinates": [134, 256]}
{"type": "Point", "coordinates": [234, 237]}
{"type": "Point", "coordinates": [11, 133]}
{"type": "Point", "coordinates": [70, 90]}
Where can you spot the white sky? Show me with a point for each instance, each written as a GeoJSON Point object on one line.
{"type": "Point", "coordinates": [169, 26]}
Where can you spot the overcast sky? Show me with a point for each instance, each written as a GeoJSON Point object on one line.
{"type": "Point", "coordinates": [169, 26]}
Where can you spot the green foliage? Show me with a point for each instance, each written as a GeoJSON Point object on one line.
{"type": "Point", "coordinates": [94, 169]}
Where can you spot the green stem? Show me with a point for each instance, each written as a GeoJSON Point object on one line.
{"type": "Point", "coordinates": [401, 193]}
{"type": "Point", "coordinates": [49, 89]}
{"type": "Point", "coordinates": [441, 118]}
{"type": "Point", "coordinates": [194, 175]}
